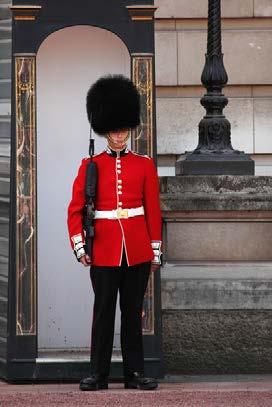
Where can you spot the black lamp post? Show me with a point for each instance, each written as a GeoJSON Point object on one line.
{"type": "Point", "coordinates": [214, 153]}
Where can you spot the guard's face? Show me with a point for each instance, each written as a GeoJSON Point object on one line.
{"type": "Point", "coordinates": [117, 139]}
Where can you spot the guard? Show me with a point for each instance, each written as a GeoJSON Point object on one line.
{"type": "Point", "coordinates": [127, 241]}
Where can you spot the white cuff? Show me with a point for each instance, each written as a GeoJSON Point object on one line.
{"type": "Point", "coordinates": [78, 246]}
{"type": "Point", "coordinates": [156, 246]}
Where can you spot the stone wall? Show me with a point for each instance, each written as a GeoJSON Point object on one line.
{"type": "Point", "coordinates": [217, 274]}
{"type": "Point", "coordinates": [217, 342]}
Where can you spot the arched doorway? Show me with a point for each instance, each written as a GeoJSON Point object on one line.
{"type": "Point", "coordinates": [68, 61]}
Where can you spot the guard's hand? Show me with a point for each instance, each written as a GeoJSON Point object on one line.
{"type": "Point", "coordinates": [85, 260]}
{"type": "Point", "coordinates": [154, 267]}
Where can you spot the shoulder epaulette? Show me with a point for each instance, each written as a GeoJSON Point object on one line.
{"type": "Point", "coordinates": [140, 155]}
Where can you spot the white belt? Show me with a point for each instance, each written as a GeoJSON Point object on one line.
{"type": "Point", "coordinates": [119, 213]}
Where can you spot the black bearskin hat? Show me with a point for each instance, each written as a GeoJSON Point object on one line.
{"type": "Point", "coordinates": [113, 103]}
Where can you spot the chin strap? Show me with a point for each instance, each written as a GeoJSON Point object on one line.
{"type": "Point", "coordinates": [113, 143]}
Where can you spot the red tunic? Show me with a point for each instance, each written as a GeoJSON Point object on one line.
{"type": "Point", "coordinates": [127, 181]}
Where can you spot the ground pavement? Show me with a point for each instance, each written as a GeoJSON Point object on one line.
{"type": "Point", "coordinates": [174, 391]}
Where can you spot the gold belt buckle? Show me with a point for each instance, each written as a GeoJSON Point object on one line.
{"type": "Point", "coordinates": [122, 213]}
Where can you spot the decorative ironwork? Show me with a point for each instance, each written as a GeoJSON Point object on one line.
{"type": "Point", "coordinates": [142, 142]}
{"type": "Point", "coordinates": [214, 128]}
{"type": "Point", "coordinates": [26, 194]}
{"type": "Point", "coordinates": [142, 75]}
{"type": "Point", "coordinates": [214, 153]}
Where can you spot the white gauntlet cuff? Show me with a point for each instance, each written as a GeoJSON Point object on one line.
{"type": "Point", "coordinates": [156, 246]}
{"type": "Point", "coordinates": [79, 249]}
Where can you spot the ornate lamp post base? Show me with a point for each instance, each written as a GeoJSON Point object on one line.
{"type": "Point", "coordinates": [219, 164]}
{"type": "Point", "coordinates": [214, 153]}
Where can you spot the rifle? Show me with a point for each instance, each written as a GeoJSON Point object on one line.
{"type": "Point", "coordinates": [90, 192]}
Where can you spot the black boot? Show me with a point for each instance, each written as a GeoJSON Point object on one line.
{"type": "Point", "coordinates": [93, 382]}
{"type": "Point", "coordinates": [137, 381]}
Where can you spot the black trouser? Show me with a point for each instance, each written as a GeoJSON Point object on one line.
{"type": "Point", "coordinates": [131, 283]}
